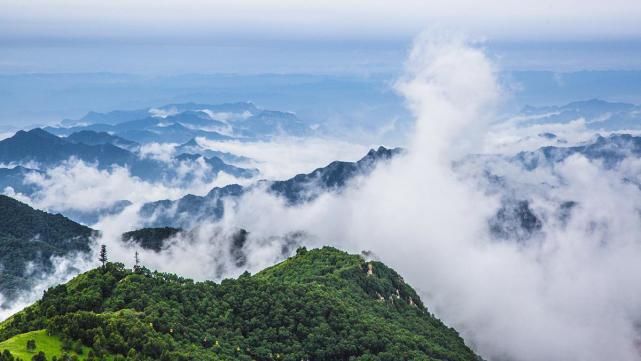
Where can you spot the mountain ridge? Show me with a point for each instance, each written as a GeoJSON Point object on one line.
{"type": "Point", "coordinates": [321, 304]}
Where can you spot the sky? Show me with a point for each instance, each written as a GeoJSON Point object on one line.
{"type": "Point", "coordinates": [267, 36]}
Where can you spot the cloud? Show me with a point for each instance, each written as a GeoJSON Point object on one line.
{"type": "Point", "coordinates": [570, 294]}
{"type": "Point", "coordinates": [158, 151]}
{"type": "Point", "coordinates": [76, 185]}
{"type": "Point", "coordinates": [65, 268]}
{"type": "Point", "coordinates": [328, 19]}
{"type": "Point", "coordinates": [283, 158]}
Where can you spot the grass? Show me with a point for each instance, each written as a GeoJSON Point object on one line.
{"type": "Point", "coordinates": [50, 345]}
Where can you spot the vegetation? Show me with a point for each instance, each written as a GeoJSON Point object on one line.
{"type": "Point", "coordinates": [150, 238]}
{"type": "Point", "coordinates": [51, 346]}
{"type": "Point", "coordinates": [319, 305]}
{"type": "Point", "coordinates": [27, 236]}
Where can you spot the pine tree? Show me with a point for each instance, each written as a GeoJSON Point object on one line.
{"type": "Point", "coordinates": [103, 255]}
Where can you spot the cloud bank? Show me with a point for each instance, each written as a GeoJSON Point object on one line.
{"type": "Point", "coordinates": [570, 293]}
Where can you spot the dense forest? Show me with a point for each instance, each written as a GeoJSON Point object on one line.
{"type": "Point", "coordinates": [321, 304]}
{"type": "Point", "coordinates": [30, 236]}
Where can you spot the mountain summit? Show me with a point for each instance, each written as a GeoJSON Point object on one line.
{"type": "Point", "coordinates": [321, 304]}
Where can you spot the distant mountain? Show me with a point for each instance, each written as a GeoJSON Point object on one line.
{"type": "Point", "coordinates": [517, 218]}
{"type": "Point", "coordinates": [44, 148]}
{"type": "Point", "coordinates": [598, 114]}
{"type": "Point", "coordinates": [321, 304]}
{"type": "Point", "coordinates": [91, 137]}
{"type": "Point", "coordinates": [306, 187]}
{"type": "Point", "coordinates": [301, 188]}
{"type": "Point", "coordinates": [611, 150]}
{"type": "Point", "coordinates": [268, 123]}
{"type": "Point", "coordinates": [48, 150]}
{"type": "Point", "coordinates": [28, 240]}
{"type": "Point", "coordinates": [147, 130]}
{"type": "Point", "coordinates": [114, 117]}
{"type": "Point", "coordinates": [219, 166]}
{"type": "Point", "coordinates": [179, 123]}
{"type": "Point", "coordinates": [193, 147]}
{"type": "Point", "coordinates": [225, 110]}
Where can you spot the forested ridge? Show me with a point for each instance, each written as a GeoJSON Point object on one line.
{"type": "Point", "coordinates": [322, 304]}
{"type": "Point", "coordinates": [32, 236]}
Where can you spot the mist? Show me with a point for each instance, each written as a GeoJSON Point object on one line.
{"type": "Point", "coordinates": [569, 294]}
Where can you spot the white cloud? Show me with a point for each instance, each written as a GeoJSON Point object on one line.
{"type": "Point", "coordinates": [76, 185]}
{"type": "Point", "coordinates": [570, 294]}
{"type": "Point", "coordinates": [283, 158]}
{"type": "Point", "coordinates": [65, 268]}
{"type": "Point", "coordinates": [295, 20]}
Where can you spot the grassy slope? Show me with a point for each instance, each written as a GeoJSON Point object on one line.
{"type": "Point", "coordinates": [50, 345]}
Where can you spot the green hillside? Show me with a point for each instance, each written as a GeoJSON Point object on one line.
{"type": "Point", "coordinates": [32, 236]}
{"type": "Point", "coordinates": [321, 304]}
{"type": "Point", "coordinates": [51, 345]}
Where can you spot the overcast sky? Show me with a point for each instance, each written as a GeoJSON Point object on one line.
{"type": "Point", "coordinates": [302, 36]}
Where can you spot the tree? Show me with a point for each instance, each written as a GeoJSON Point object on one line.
{"type": "Point", "coordinates": [39, 357]}
{"type": "Point", "coordinates": [31, 345]}
{"type": "Point", "coordinates": [103, 255]}
{"type": "Point", "coordinates": [6, 356]}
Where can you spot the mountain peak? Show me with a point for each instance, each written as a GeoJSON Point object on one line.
{"type": "Point", "coordinates": [322, 290]}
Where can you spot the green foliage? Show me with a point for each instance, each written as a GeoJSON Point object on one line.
{"type": "Point", "coordinates": [319, 305]}
{"type": "Point", "coordinates": [50, 345]}
{"type": "Point", "coordinates": [150, 238]}
{"type": "Point", "coordinates": [31, 345]}
{"type": "Point", "coordinates": [29, 235]}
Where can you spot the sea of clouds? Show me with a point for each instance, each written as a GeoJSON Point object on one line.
{"type": "Point", "coordinates": [572, 292]}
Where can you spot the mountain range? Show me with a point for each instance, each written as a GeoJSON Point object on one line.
{"type": "Point", "coordinates": [42, 150]}
{"type": "Point", "coordinates": [301, 188]}
{"type": "Point", "coordinates": [179, 123]}
{"type": "Point", "coordinates": [598, 114]}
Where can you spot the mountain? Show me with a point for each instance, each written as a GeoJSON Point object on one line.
{"type": "Point", "coordinates": [145, 130]}
{"type": "Point", "coordinates": [193, 147]}
{"type": "Point", "coordinates": [179, 123]}
{"type": "Point", "coordinates": [301, 188]}
{"type": "Point", "coordinates": [610, 150]}
{"type": "Point", "coordinates": [150, 238]}
{"type": "Point", "coordinates": [190, 209]}
{"type": "Point", "coordinates": [29, 238]}
{"type": "Point", "coordinates": [219, 111]}
{"type": "Point", "coordinates": [48, 150]}
{"type": "Point", "coordinates": [598, 114]}
{"type": "Point", "coordinates": [91, 137]}
{"type": "Point", "coordinates": [44, 148]}
{"type": "Point", "coordinates": [269, 123]}
{"type": "Point", "coordinates": [321, 304]}
{"type": "Point", "coordinates": [517, 219]}
{"type": "Point", "coordinates": [113, 117]}
{"type": "Point", "coordinates": [218, 165]}
{"type": "Point", "coordinates": [306, 187]}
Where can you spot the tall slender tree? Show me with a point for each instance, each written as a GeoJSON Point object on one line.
{"type": "Point", "coordinates": [103, 255]}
